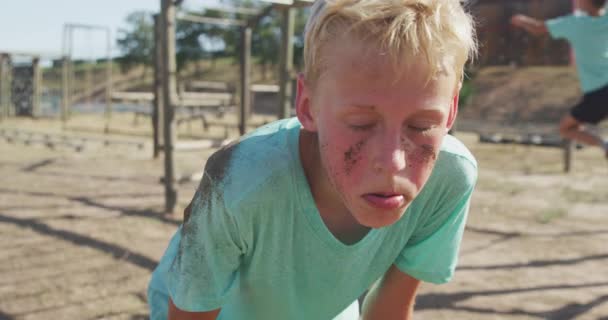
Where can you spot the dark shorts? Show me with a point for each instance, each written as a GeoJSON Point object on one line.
{"type": "Point", "coordinates": [593, 108]}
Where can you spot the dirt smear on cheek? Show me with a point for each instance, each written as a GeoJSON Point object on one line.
{"type": "Point", "coordinates": [423, 155]}
{"type": "Point", "coordinates": [352, 156]}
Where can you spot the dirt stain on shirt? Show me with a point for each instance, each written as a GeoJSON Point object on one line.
{"type": "Point", "coordinates": [213, 177]}
{"type": "Point", "coordinates": [208, 195]}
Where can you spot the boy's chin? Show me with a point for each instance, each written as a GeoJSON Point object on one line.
{"type": "Point", "coordinates": [377, 220]}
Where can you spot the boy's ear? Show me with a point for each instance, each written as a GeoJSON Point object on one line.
{"type": "Point", "coordinates": [454, 107]}
{"type": "Point", "coordinates": [304, 109]}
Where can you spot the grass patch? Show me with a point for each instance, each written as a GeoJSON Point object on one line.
{"type": "Point", "coordinates": [548, 215]}
{"type": "Point", "coordinates": [586, 196]}
{"type": "Point", "coordinates": [501, 186]}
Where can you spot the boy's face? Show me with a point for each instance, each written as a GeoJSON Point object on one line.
{"type": "Point", "coordinates": [378, 137]}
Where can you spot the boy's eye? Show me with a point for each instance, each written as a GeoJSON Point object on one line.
{"type": "Point", "coordinates": [420, 128]}
{"type": "Point", "coordinates": [361, 127]}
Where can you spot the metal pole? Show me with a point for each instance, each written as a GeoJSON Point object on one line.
{"type": "Point", "coordinates": [286, 61]}
{"type": "Point", "coordinates": [36, 84]}
{"type": "Point", "coordinates": [157, 112]}
{"type": "Point", "coordinates": [170, 101]}
{"type": "Point", "coordinates": [245, 79]}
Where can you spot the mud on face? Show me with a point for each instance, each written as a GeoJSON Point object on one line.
{"type": "Point", "coordinates": [424, 155]}
{"type": "Point", "coordinates": [352, 156]}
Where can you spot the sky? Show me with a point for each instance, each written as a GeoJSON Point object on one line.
{"type": "Point", "coordinates": [37, 25]}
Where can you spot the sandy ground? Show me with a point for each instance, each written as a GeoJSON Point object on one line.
{"type": "Point", "coordinates": [80, 233]}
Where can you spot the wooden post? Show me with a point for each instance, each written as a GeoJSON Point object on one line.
{"type": "Point", "coordinates": [108, 93]}
{"type": "Point", "coordinates": [36, 86]}
{"type": "Point", "coordinates": [88, 82]}
{"type": "Point", "coordinates": [65, 90]}
{"type": "Point", "coordinates": [568, 148]}
{"type": "Point", "coordinates": [568, 144]}
{"type": "Point", "coordinates": [70, 65]}
{"type": "Point", "coordinates": [245, 79]}
{"type": "Point", "coordinates": [67, 74]}
{"type": "Point", "coordinates": [170, 100]}
{"type": "Point", "coordinates": [157, 111]}
{"type": "Point", "coordinates": [7, 87]}
{"type": "Point", "coordinates": [286, 62]}
{"type": "Point", "coordinates": [3, 81]}
{"type": "Point", "coordinates": [65, 87]}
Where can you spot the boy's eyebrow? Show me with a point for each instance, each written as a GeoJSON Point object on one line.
{"type": "Point", "coordinates": [365, 106]}
{"type": "Point", "coordinates": [435, 112]}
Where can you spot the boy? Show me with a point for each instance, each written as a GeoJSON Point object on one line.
{"type": "Point", "coordinates": [587, 33]}
{"type": "Point", "coordinates": [300, 217]}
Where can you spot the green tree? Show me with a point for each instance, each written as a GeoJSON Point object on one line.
{"type": "Point", "coordinates": [266, 42]}
{"type": "Point", "coordinates": [189, 38]}
{"type": "Point", "coordinates": [298, 52]}
{"type": "Point", "coordinates": [136, 42]}
{"type": "Point", "coordinates": [266, 36]}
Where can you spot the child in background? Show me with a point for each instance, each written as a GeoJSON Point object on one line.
{"type": "Point", "coordinates": [298, 218]}
{"type": "Point", "coordinates": [587, 32]}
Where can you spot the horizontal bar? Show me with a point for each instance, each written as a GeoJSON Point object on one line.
{"type": "Point", "coordinates": [208, 20]}
{"type": "Point", "coordinates": [241, 10]}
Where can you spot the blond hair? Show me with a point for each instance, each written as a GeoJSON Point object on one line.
{"type": "Point", "coordinates": [406, 30]}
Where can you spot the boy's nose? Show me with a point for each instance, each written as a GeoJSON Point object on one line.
{"type": "Point", "coordinates": [390, 158]}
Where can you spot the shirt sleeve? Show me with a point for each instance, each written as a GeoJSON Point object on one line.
{"type": "Point", "coordinates": [565, 27]}
{"type": "Point", "coordinates": [431, 254]}
{"type": "Point", "coordinates": [204, 271]}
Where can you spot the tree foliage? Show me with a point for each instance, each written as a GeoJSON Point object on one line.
{"type": "Point", "coordinates": [193, 39]}
{"type": "Point", "coordinates": [136, 43]}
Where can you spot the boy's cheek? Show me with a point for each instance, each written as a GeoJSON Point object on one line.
{"type": "Point", "coordinates": [421, 161]}
{"type": "Point", "coordinates": [422, 157]}
{"type": "Point", "coordinates": [420, 175]}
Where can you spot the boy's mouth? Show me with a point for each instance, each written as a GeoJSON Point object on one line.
{"type": "Point", "coordinates": [384, 201]}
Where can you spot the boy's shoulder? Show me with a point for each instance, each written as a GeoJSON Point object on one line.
{"type": "Point", "coordinates": [454, 148]}
{"type": "Point", "coordinates": [455, 163]}
{"type": "Point", "coordinates": [590, 25]}
{"type": "Point", "coordinates": [246, 167]}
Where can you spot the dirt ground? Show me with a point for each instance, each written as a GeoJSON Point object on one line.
{"type": "Point", "coordinates": [80, 233]}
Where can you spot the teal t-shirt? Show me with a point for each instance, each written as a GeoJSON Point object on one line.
{"type": "Point", "coordinates": [255, 245]}
{"type": "Point", "coordinates": [588, 37]}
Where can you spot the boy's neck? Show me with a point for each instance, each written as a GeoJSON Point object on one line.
{"type": "Point", "coordinates": [595, 12]}
{"type": "Point", "coordinates": [334, 214]}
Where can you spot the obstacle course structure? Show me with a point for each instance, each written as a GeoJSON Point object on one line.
{"type": "Point", "coordinates": [68, 71]}
{"type": "Point", "coordinates": [167, 98]}
{"type": "Point", "coordinates": [20, 83]}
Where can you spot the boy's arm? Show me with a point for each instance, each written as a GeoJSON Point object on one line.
{"type": "Point", "coordinates": [177, 314]}
{"type": "Point", "coordinates": [531, 25]}
{"type": "Point", "coordinates": [392, 297]}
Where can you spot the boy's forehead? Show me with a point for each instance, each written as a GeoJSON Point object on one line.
{"type": "Point", "coordinates": [362, 57]}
